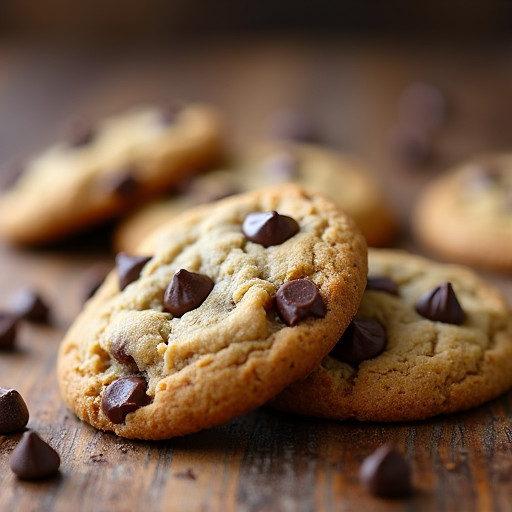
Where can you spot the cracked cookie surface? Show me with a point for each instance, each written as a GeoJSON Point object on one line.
{"type": "Point", "coordinates": [121, 162]}
{"type": "Point", "coordinates": [232, 352]}
{"type": "Point", "coordinates": [427, 367]}
{"type": "Point", "coordinates": [341, 177]}
{"type": "Point", "coordinates": [465, 215]}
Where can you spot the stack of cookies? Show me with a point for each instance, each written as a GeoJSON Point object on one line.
{"type": "Point", "coordinates": [268, 296]}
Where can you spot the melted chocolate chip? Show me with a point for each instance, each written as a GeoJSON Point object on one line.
{"type": "Point", "coordinates": [123, 396]}
{"type": "Point", "coordinates": [81, 134]}
{"type": "Point", "coordinates": [269, 228]}
{"type": "Point", "coordinates": [385, 473]}
{"type": "Point", "coordinates": [186, 291]}
{"type": "Point", "coordinates": [8, 330]}
{"type": "Point", "coordinates": [441, 305]}
{"type": "Point", "coordinates": [298, 299]}
{"type": "Point", "coordinates": [281, 167]}
{"type": "Point", "coordinates": [129, 268]}
{"type": "Point", "coordinates": [13, 411]}
{"type": "Point", "coordinates": [33, 458]}
{"type": "Point", "coordinates": [362, 340]}
{"type": "Point", "coordinates": [122, 182]}
{"type": "Point", "coordinates": [118, 350]}
{"type": "Point", "coordinates": [28, 304]}
{"type": "Point", "coordinates": [382, 284]}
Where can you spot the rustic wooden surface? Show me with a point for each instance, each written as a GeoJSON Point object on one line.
{"type": "Point", "coordinates": [263, 461]}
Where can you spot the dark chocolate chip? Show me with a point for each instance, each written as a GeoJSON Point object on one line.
{"type": "Point", "coordinates": [82, 133]}
{"type": "Point", "coordinates": [294, 126]}
{"type": "Point", "coordinates": [33, 458]}
{"type": "Point", "coordinates": [424, 105]}
{"type": "Point", "coordinates": [382, 284]}
{"type": "Point", "coordinates": [28, 304]}
{"type": "Point", "coordinates": [385, 473]}
{"type": "Point", "coordinates": [441, 305]}
{"type": "Point", "coordinates": [118, 351]}
{"type": "Point", "coordinates": [269, 228]}
{"type": "Point", "coordinates": [281, 167]}
{"type": "Point", "coordinates": [123, 396]}
{"type": "Point", "coordinates": [8, 330]}
{"type": "Point", "coordinates": [122, 182]}
{"type": "Point", "coordinates": [129, 268]}
{"type": "Point", "coordinates": [13, 411]}
{"type": "Point", "coordinates": [362, 340]}
{"type": "Point", "coordinates": [298, 299]}
{"type": "Point", "coordinates": [186, 291]}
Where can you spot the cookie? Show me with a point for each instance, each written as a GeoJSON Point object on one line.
{"type": "Point", "coordinates": [465, 215]}
{"type": "Point", "coordinates": [220, 309]}
{"type": "Point", "coordinates": [428, 339]}
{"type": "Point", "coordinates": [342, 178]}
{"type": "Point", "coordinates": [104, 170]}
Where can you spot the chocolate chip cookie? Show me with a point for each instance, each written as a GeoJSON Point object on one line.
{"type": "Point", "coordinates": [465, 215]}
{"type": "Point", "coordinates": [218, 311]}
{"type": "Point", "coordinates": [103, 170]}
{"type": "Point", "coordinates": [428, 338]}
{"type": "Point", "coordinates": [339, 176]}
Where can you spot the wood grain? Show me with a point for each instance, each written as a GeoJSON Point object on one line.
{"type": "Point", "coordinates": [265, 460]}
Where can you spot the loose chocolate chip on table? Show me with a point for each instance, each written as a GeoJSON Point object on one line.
{"type": "Point", "coordinates": [298, 299]}
{"type": "Point", "coordinates": [13, 411]}
{"type": "Point", "coordinates": [441, 305]}
{"type": "Point", "coordinates": [281, 167]}
{"type": "Point", "coordinates": [33, 458]}
{"type": "Point", "coordinates": [186, 291]}
{"type": "Point", "coordinates": [27, 303]}
{"type": "Point", "coordinates": [269, 228]}
{"type": "Point", "coordinates": [123, 396]}
{"type": "Point", "coordinates": [82, 133]}
{"type": "Point", "coordinates": [122, 182]}
{"type": "Point", "coordinates": [8, 330]}
{"type": "Point", "coordinates": [382, 284]}
{"type": "Point", "coordinates": [385, 473]}
{"type": "Point", "coordinates": [362, 340]}
{"type": "Point", "coordinates": [129, 268]}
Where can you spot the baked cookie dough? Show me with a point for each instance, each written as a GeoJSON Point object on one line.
{"type": "Point", "coordinates": [220, 309]}
{"type": "Point", "coordinates": [428, 339]}
{"type": "Point", "coordinates": [342, 178]}
{"type": "Point", "coordinates": [465, 215]}
{"type": "Point", "coordinates": [104, 170]}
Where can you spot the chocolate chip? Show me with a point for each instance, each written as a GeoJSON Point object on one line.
{"type": "Point", "coordinates": [28, 304]}
{"type": "Point", "coordinates": [123, 396]}
{"type": "Point", "coordinates": [298, 299]}
{"type": "Point", "coordinates": [385, 473]}
{"type": "Point", "coordinates": [281, 167]}
{"type": "Point", "coordinates": [292, 125]}
{"type": "Point", "coordinates": [382, 284]}
{"type": "Point", "coordinates": [441, 305]}
{"type": "Point", "coordinates": [122, 182]}
{"type": "Point", "coordinates": [362, 340]}
{"type": "Point", "coordinates": [8, 330]}
{"type": "Point", "coordinates": [186, 291]}
{"type": "Point", "coordinates": [82, 133]}
{"type": "Point", "coordinates": [118, 350]}
{"type": "Point", "coordinates": [13, 411]}
{"type": "Point", "coordinates": [129, 268]}
{"type": "Point", "coordinates": [33, 458]}
{"type": "Point", "coordinates": [269, 228]}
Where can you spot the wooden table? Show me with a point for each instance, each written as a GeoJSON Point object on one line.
{"type": "Point", "coordinates": [263, 461]}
